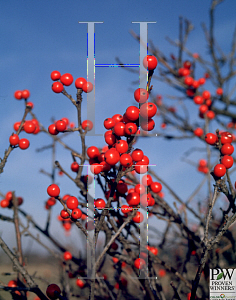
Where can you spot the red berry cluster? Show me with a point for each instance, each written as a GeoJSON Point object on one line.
{"type": "Point", "coordinates": [66, 80]}
{"type": "Point", "coordinates": [60, 126]}
{"type": "Point", "coordinates": [22, 94]}
{"type": "Point", "coordinates": [202, 166]}
{"type": "Point", "coordinates": [224, 142]}
{"type": "Point", "coordinates": [13, 284]}
{"type": "Point", "coordinates": [205, 103]}
{"type": "Point", "coordinates": [8, 200]}
{"type": "Point", "coordinates": [29, 126]}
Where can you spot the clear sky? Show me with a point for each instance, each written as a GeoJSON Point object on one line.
{"type": "Point", "coordinates": [38, 37]}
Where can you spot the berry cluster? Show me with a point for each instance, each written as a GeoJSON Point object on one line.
{"type": "Point", "coordinates": [28, 126]}
{"type": "Point", "coordinates": [60, 126]}
{"type": "Point", "coordinates": [8, 200]}
{"type": "Point", "coordinates": [66, 80]}
{"type": "Point", "coordinates": [22, 94]}
{"type": "Point", "coordinates": [202, 166]}
{"type": "Point", "coordinates": [223, 141]}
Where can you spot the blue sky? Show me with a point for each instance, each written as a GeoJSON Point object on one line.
{"type": "Point", "coordinates": [38, 37]}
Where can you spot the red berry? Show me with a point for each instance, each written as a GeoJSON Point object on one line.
{"type": "Point", "coordinates": [25, 94]}
{"type": "Point", "coordinates": [226, 137]}
{"type": "Point", "coordinates": [51, 201]}
{"type": "Point", "coordinates": [206, 95]}
{"type": "Point", "coordinates": [227, 149]}
{"type": "Point", "coordinates": [202, 163]}
{"type": "Point", "coordinates": [23, 144]}
{"type": "Point", "coordinates": [117, 118]}
{"type": "Point", "coordinates": [187, 64]}
{"type": "Point", "coordinates": [14, 139]}
{"type": "Point", "coordinates": [195, 84]}
{"type": "Point", "coordinates": [4, 203]}
{"type": "Point", "coordinates": [186, 72]}
{"type": "Point", "coordinates": [52, 129]}
{"type": "Point", "coordinates": [201, 81]}
{"type": "Point", "coordinates": [12, 283]}
{"type": "Point", "coordinates": [211, 138]}
{"type": "Point", "coordinates": [132, 113]}
{"type": "Point", "coordinates": [55, 75]}
{"type": "Point", "coordinates": [137, 154]}
{"type": "Point", "coordinates": [190, 92]}
{"type": "Point", "coordinates": [148, 125]}
{"type": "Point", "coordinates": [122, 187]}
{"type": "Point", "coordinates": [79, 82]}
{"type": "Point", "coordinates": [80, 283]}
{"type": "Point", "coordinates": [109, 123]}
{"type": "Point", "coordinates": [96, 168]}
{"type": "Point", "coordinates": [18, 95]}
{"type": "Point", "coordinates": [64, 214]}
{"type": "Point", "coordinates": [148, 110]}
{"type": "Point", "coordinates": [147, 200]}
{"type": "Point", "coordinates": [66, 120]}
{"type": "Point", "coordinates": [210, 115]}
{"type": "Point", "coordinates": [119, 129]}
{"type": "Point", "coordinates": [87, 125]}
{"type": "Point", "coordinates": [29, 127]}
{"type": "Point", "coordinates": [141, 167]}
{"type": "Point", "coordinates": [219, 170]}
{"type": "Point", "coordinates": [147, 180]}
{"type": "Point", "coordinates": [66, 79]}
{"type": "Point", "coordinates": [52, 291]}
{"type": "Point", "coordinates": [53, 190]}
{"type": "Point", "coordinates": [99, 203]}
{"type": "Point", "coordinates": [74, 167]}
{"type": "Point", "coordinates": [219, 91]}
{"type": "Point", "coordinates": [227, 161]}
{"type": "Point", "coordinates": [126, 160]}
{"type": "Point", "coordinates": [198, 100]}
{"type": "Point", "coordinates": [16, 126]}
{"type": "Point", "coordinates": [87, 87]}
{"type": "Point", "coordinates": [67, 226]}
{"type": "Point", "coordinates": [72, 202]}
{"type": "Point", "coordinates": [162, 272]}
{"type": "Point", "coordinates": [122, 146]}
{"type": "Point", "coordinates": [141, 95]}
{"type": "Point", "coordinates": [133, 199]}
{"type": "Point", "coordinates": [92, 152]}
{"type": "Point", "coordinates": [105, 166]}
{"type": "Point", "coordinates": [60, 125]}
{"type": "Point", "coordinates": [154, 250]}
{"type": "Point", "coordinates": [139, 263]}
{"type": "Point", "coordinates": [188, 80]}
{"type": "Point", "coordinates": [198, 132]}
{"type": "Point", "coordinates": [208, 102]}
{"type": "Point", "coordinates": [125, 209]}
{"type": "Point", "coordinates": [203, 109]}
{"type": "Point", "coordinates": [8, 196]}
{"type": "Point", "coordinates": [150, 62]}
{"type": "Point", "coordinates": [156, 187]}
{"type": "Point", "coordinates": [57, 87]}
{"type": "Point", "coordinates": [112, 156]}
{"type": "Point", "coordinates": [139, 188]}
{"type": "Point", "coordinates": [76, 213]}
{"type": "Point", "coordinates": [130, 128]}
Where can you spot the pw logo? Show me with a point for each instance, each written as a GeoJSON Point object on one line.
{"type": "Point", "coordinates": [217, 274]}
